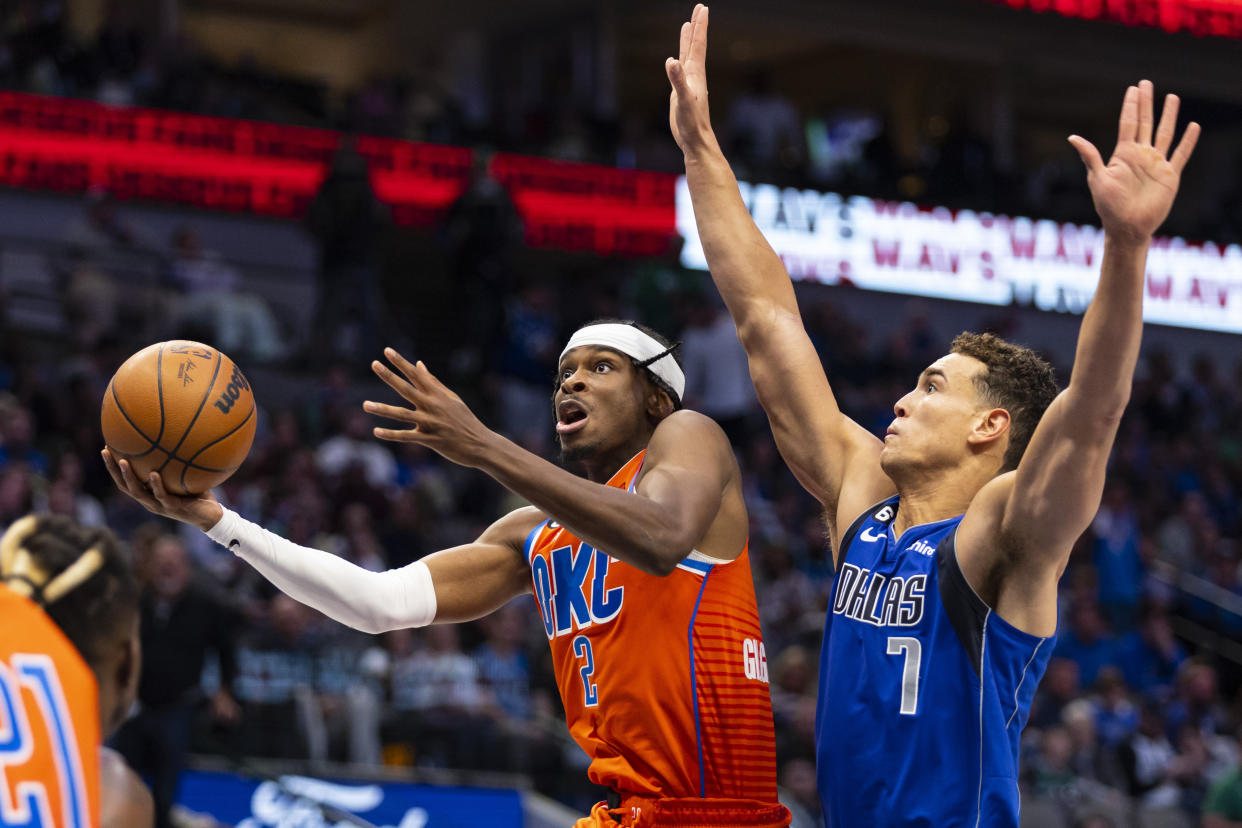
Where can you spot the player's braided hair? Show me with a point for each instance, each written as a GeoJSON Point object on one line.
{"type": "Point", "coordinates": [81, 577]}
{"type": "Point", "coordinates": [670, 348]}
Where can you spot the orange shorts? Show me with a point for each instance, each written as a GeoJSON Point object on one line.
{"type": "Point", "coordinates": [638, 812]}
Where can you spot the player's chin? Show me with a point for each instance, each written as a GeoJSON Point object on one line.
{"type": "Point", "coordinates": [574, 449]}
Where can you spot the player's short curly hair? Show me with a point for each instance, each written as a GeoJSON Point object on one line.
{"type": "Point", "coordinates": [1017, 379]}
{"type": "Point", "coordinates": [81, 577]}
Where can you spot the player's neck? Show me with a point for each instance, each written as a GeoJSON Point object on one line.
{"type": "Point", "coordinates": [935, 496]}
{"type": "Point", "coordinates": [600, 468]}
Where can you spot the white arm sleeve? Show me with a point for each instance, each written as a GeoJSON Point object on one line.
{"type": "Point", "coordinates": [373, 602]}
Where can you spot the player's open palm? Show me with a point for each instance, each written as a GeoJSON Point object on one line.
{"type": "Point", "coordinates": [1134, 191]}
{"type": "Point", "coordinates": [688, 114]}
{"type": "Point", "coordinates": [436, 417]}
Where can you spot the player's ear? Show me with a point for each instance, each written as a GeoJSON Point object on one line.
{"type": "Point", "coordinates": [129, 666]}
{"type": "Point", "coordinates": [990, 426]}
{"type": "Point", "coordinates": [659, 403]}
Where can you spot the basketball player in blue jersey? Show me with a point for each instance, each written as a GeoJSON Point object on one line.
{"type": "Point", "coordinates": [951, 533]}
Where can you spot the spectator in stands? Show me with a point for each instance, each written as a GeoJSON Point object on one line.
{"type": "Point", "coordinates": [480, 231]}
{"type": "Point", "coordinates": [238, 323]}
{"type": "Point", "coordinates": [17, 440]}
{"type": "Point", "coordinates": [1115, 534]}
{"type": "Point", "coordinates": [717, 376]}
{"type": "Point", "coordinates": [354, 448]}
{"type": "Point", "coordinates": [1154, 772]}
{"type": "Point", "coordinates": [102, 229]}
{"type": "Point", "coordinates": [1150, 656]}
{"type": "Point", "coordinates": [800, 794]}
{"type": "Point", "coordinates": [1061, 685]}
{"type": "Point", "coordinates": [1222, 806]}
{"type": "Point", "coordinates": [275, 682]}
{"type": "Point", "coordinates": [1197, 703]}
{"type": "Point", "coordinates": [1177, 537]}
{"type": "Point", "coordinates": [526, 360]}
{"type": "Point", "coordinates": [181, 624]}
{"type": "Point", "coordinates": [343, 716]}
{"type": "Point", "coordinates": [438, 700]}
{"type": "Point", "coordinates": [1087, 642]}
{"type": "Point", "coordinates": [348, 223]}
{"type": "Point", "coordinates": [764, 132]}
{"type": "Point", "coordinates": [1114, 714]}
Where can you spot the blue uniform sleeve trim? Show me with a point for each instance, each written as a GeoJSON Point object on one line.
{"type": "Point", "coordinates": [529, 546]}
{"type": "Point", "coordinates": [701, 567]}
{"type": "Point", "coordinates": [966, 610]}
{"type": "Point", "coordinates": [694, 689]}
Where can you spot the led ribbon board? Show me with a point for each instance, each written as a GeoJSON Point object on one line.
{"type": "Point", "coordinates": [974, 257]}
{"type": "Point", "coordinates": [269, 169]}
{"type": "Point", "coordinates": [1205, 18]}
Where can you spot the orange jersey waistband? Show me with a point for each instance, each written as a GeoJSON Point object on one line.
{"type": "Point", "coordinates": [690, 812]}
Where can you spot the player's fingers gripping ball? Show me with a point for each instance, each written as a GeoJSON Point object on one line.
{"type": "Point", "coordinates": [182, 409]}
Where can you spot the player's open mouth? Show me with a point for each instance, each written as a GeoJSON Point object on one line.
{"type": "Point", "coordinates": [571, 416]}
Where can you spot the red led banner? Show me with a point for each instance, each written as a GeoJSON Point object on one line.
{"type": "Point", "coordinates": [269, 169]}
{"type": "Point", "coordinates": [1205, 18]}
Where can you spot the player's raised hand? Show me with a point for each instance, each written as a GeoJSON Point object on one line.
{"type": "Point", "coordinates": [202, 510]}
{"type": "Point", "coordinates": [1134, 191]}
{"type": "Point", "coordinates": [436, 418]}
{"type": "Point", "coordinates": [688, 115]}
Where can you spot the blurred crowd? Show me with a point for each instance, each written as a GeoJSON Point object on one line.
{"type": "Point", "coordinates": [1140, 707]}
{"type": "Point", "coordinates": [1140, 711]}
{"type": "Point", "coordinates": [769, 138]}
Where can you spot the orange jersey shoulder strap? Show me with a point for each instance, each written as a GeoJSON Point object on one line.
{"type": "Point", "coordinates": [49, 723]}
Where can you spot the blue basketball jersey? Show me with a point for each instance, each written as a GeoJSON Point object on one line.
{"type": "Point", "coordinates": [923, 690]}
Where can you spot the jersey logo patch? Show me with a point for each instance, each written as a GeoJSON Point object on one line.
{"type": "Point", "coordinates": [869, 536]}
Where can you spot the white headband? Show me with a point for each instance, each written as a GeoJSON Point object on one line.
{"type": "Point", "coordinates": [634, 344]}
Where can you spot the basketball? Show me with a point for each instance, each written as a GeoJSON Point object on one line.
{"type": "Point", "coordinates": [182, 409]}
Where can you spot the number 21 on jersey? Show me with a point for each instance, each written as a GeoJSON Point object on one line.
{"type": "Point", "coordinates": [27, 804]}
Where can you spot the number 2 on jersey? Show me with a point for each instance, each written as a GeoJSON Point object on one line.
{"type": "Point", "coordinates": [913, 651]}
{"type": "Point", "coordinates": [582, 649]}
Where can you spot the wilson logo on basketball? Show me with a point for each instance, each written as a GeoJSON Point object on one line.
{"type": "Point", "coordinates": [237, 384]}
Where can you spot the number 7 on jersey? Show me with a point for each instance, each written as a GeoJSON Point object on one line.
{"type": "Point", "coordinates": [912, 649]}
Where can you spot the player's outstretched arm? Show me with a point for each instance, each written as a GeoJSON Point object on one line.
{"type": "Point", "coordinates": [688, 465]}
{"type": "Point", "coordinates": [822, 446]}
{"type": "Point", "coordinates": [458, 584]}
{"type": "Point", "coordinates": [1055, 492]}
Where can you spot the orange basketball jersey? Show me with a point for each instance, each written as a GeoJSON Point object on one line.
{"type": "Point", "coordinates": [49, 723]}
{"type": "Point", "coordinates": [664, 680]}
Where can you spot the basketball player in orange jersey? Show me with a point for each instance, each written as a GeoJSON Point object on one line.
{"type": "Point", "coordinates": [639, 571]}
{"type": "Point", "coordinates": [69, 662]}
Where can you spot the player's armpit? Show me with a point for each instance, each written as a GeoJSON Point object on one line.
{"type": "Point", "coordinates": [478, 578]}
{"type": "Point", "coordinates": [691, 471]}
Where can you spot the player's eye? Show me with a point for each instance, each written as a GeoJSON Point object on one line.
{"type": "Point", "coordinates": [931, 386]}
{"type": "Point", "coordinates": [602, 367]}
